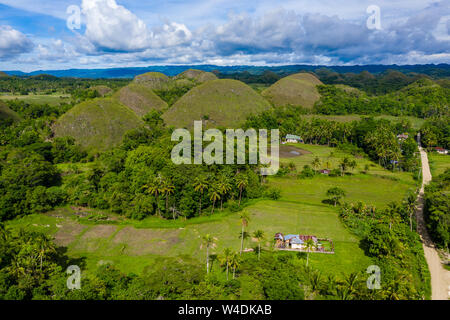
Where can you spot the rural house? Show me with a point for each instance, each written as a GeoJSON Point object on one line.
{"type": "Point", "coordinates": [292, 138]}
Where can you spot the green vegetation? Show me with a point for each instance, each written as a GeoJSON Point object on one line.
{"type": "Point", "coordinates": [140, 99]}
{"type": "Point", "coordinates": [295, 90]}
{"type": "Point", "coordinates": [221, 103]}
{"type": "Point", "coordinates": [97, 124]}
{"type": "Point", "coordinates": [423, 98]}
{"type": "Point", "coordinates": [6, 114]}
{"type": "Point", "coordinates": [152, 80]}
{"type": "Point", "coordinates": [437, 215]}
{"type": "Point", "coordinates": [105, 190]}
{"type": "Point", "coordinates": [197, 75]}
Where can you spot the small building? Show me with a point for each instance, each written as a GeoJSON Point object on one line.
{"type": "Point", "coordinates": [441, 150]}
{"type": "Point", "coordinates": [297, 243]}
{"type": "Point", "coordinates": [292, 138]}
{"type": "Point", "coordinates": [325, 171]}
{"type": "Point", "coordinates": [403, 136]}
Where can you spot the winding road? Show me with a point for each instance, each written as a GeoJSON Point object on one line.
{"type": "Point", "coordinates": [440, 277]}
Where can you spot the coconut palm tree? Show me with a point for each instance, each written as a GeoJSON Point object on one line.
{"type": "Point", "coordinates": [234, 263]}
{"type": "Point", "coordinates": [309, 244]}
{"type": "Point", "coordinates": [225, 259]}
{"type": "Point", "coordinates": [259, 236]}
{"type": "Point", "coordinates": [244, 216]}
{"type": "Point", "coordinates": [154, 188]}
{"type": "Point", "coordinates": [214, 195]}
{"type": "Point", "coordinates": [200, 185]}
{"type": "Point", "coordinates": [168, 188]}
{"type": "Point", "coordinates": [209, 242]}
{"type": "Point", "coordinates": [316, 163]}
{"type": "Point", "coordinates": [241, 183]}
{"type": "Point", "coordinates": [225, 188]}
{"type": "Point", "coordinates": [45, 247]}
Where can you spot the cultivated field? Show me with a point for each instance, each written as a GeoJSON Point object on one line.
{"type": "Point", "coordinates": [134, 245]}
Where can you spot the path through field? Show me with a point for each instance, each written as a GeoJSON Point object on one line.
{"type": "Point", "coordinates": [440, 277]}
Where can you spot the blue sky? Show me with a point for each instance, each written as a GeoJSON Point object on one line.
{"type": "Point", "coordinates": [116, 33]}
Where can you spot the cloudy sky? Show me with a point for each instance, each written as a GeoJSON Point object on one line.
{"type": "Point", "coordinates": [62, 34]}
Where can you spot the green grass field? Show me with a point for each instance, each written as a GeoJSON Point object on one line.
{"type": "Point", "coordinates": [50, 99]}
{"type": "Point", "coordinates": [133, 245]}
{"type": "Point", "coordinates": [438, 163]}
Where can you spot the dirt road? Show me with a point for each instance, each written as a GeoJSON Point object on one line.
{"type": "Point", "coordinates": [440, 277]}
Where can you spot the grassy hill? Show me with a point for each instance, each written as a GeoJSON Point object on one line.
{"type": "Point", "coordinates": [3, 74]}
{"type": "Point", "coordinates": [7, 113]}
{"type": "Point", "coordinates": [102, 90]}
{"type": "Point", "coordinates": [140, 99]}
{"type": "Point", "coordinates": [197, 75]}
{"type": "Point", "coordinates": [219, 102]}
{"type": "Point", "coordinates": [297, 90]}
{"type": "Point", "coordinates": [152, 80]}
{"type": "Point", "coordinates": [98, 124]}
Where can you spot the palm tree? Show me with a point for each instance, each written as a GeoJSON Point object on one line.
{"type": "Point", "coordinates": [209, 242]}
{"type": "Point", "coordinates": [352, 165]}
{"type": "Point", "coordinates": [259, 236]}
{"type": "Point", "coordinates": [315, 279]}
{"type": "Point", "coordinates": [45, 247]}
{"type": "Point", "coordinates": [245, 218]}
{"type": "Point", "coordinates": [226, 259]}
{"type": "Point", "coordinates": [241, 183]}
{"type": "Point", "coordinates": [411, 207]}
{"type": "Point", "coordinates": [155, 187]}
{"type": "Point", "coordinates": [345, 163]}
{"type": "Point", "coordinates": [309, 244]}
{"type": "Point", "coordinates": [168, 189]}
{"type": "Point", "coordinates": [200, 185]}
{"type": "Point", "coordinates": [234, 263]}
{"type": "Point", "coordinates": [214, 195]}
{"type": "Point", "coordinates": [316, 163]}
{"type": "Point", "coordinates": [225, 188]}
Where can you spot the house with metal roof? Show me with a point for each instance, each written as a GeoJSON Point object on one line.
{"type": "Point", "coordinates": [292, 138]}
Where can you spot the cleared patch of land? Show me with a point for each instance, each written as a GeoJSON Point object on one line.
{"type": "Point", "coordinates": [50, 99]}
{"type": "Point", "coordinates": [438, 163]}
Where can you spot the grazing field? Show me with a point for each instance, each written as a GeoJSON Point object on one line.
{"type": "Point", "coordinates": [438, 163]}
{"type": "Point", "coordinates": [133, 245]}
{"type": "Point", "coordinates": [50, 99]}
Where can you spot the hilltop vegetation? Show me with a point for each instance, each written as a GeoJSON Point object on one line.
{"type": "Point", "coordinates": [7, 114]}
{"type": "Point", "coordinates": [97, 124]}
{"type": "Point", "coordinates": [140, 99]}
{"type": "Point", "coordinates": [152, 80]}
{"type": "Point", "coordinates": [422, 99]}
{"type": "Point", "coordinates": [218, 103]}
{"type": "Point", "coordinates": [197, 75]}
{"type": "Point", "coordinates": [295, 90]}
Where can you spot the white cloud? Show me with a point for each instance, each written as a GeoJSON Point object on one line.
{"type": "Point", "coordinates": [112, 27]}
{"type": "Point", "coordinates": [13, 42]}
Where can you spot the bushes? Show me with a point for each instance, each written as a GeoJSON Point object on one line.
{"type": "Point", "coordinates": [436, 210]}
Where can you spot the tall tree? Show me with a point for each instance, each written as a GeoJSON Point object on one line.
{"type": "Point", "coordinates": [241, 183]}
{"type": "Point", "coordinates": [209, 242]}
{"type": "Point", "coordinates": [244, 216]}
{"type": "Point", "coordinates": [259, 236]}
{"type": "Point", "coordinates": [200, 185]}
{"type": "Point", "coordinates": [309, 244]}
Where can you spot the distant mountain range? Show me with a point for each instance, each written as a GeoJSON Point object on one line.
{"type": "Point", "coordinates": [439, 70]}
